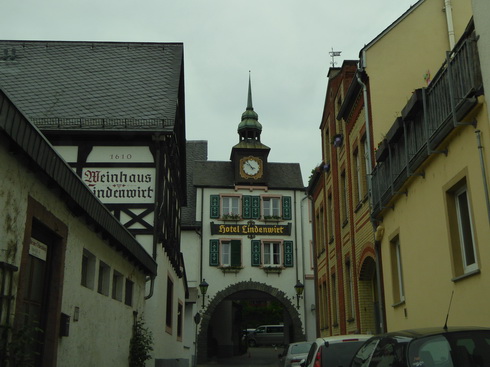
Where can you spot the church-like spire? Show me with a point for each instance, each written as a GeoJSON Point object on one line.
{"type": "Point", "coordinates": [250, 126]}
{"type": "Point", "coordinates": [249, 102]}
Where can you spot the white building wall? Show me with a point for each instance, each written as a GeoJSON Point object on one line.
{"type": "Point", "coordinates": [102, 333]}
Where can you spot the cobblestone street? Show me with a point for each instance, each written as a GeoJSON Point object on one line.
{"type": "Point", "coordinates": [260, 356]}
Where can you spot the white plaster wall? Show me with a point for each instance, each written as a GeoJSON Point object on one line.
{"type": "Point", "coordinates": [101, 336]}
{"type": "Point", "coordinates": [166, 344]}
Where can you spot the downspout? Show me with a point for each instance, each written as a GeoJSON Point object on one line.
{"type": "Point", "coordinates": [296, 237]}
{"type": "Point", "coordinates": [484, 172]}
{"type": "Point", "coordinates": [156, 215]}
{"type": "Point", "coordinates": [377, 244]}
{"type": "Point", "coordinates": [202, 234]}
{"type": "Point", "coordinates": [450, 25]}
{"type": "Point", "coordinates": [303, 255]}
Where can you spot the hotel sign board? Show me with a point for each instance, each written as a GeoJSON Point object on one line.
{"type": "Point", "coordinates": [121, 185]}
{"type": "Point", "coordinates": [251, 229]}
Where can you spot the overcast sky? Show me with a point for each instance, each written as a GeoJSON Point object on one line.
{"type": "Point", "coordinates": [284, 43]}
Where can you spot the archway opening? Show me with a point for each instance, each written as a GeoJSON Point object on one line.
{"type": "Point", "coordinates": [235, 309]}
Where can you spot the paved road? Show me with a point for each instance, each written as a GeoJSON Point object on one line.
{"type": "Point", "coordinates": [260, 356]}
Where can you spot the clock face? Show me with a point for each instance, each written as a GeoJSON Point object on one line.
{"type": "Point", "coordinates": [251, 167]}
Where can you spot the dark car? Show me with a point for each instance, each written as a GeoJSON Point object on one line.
{"type": "Point", "coordinates": [431, 347]}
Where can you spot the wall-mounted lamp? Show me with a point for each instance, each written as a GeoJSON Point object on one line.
{"type": "Point", "coordinates": [204, 288]}
{"type": "Point", "coordinates": [299, 288]}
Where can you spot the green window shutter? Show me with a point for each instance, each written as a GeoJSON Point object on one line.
{"type": "Point", "coordinates": [286, 207]}
{"type": "Point", "coordinates": [255, 207]}
{"type": "Point", "coordinates": [246, 207]}
{"type": "Point", "coordinates": [213, 252]}
{"type": "Point", "coordinates": [236, 253]}
{"type": "Point", "coordinates": [288, 254]}
{"type": "Point", "coordinates": [256, 257]}
{"type": "Point", "coordinates": [214, 206]}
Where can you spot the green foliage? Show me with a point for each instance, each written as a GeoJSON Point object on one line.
{"type": "Point", "coordinates": [141, 344]}
{"type": "Point", "coordinates": [254, 314]}
{"type": "Point", "coordinates": [23, 347]}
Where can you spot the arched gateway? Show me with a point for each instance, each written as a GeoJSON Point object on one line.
{"type": "Point", "coordinates": [297, 332]}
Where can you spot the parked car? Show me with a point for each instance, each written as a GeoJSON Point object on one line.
{"type": "Point", "coordinates": [267, 335]}
{"type": "Point", "coordinates": [431, 347]}
{"type": "Point", "coordinates": [294, 354]}
{"type": "Point", "coordinates": [334, 351]}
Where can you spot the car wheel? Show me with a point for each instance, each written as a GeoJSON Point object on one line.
{"type": "Point", "coordinates": [252, 343]}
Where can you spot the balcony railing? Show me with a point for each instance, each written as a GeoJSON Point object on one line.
{"type": "Point", "coordinates": [430, 115]}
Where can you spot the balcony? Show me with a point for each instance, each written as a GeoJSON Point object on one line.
{"type": "Point", "coordinates": [428, 118]}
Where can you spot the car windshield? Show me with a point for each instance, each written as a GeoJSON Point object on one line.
{"type": "Point", "coordinates": [340, 354]}
{"type": "Point", "coordinates": [300, 348]}
{"type": "Point", "coordinates": [460, 349]}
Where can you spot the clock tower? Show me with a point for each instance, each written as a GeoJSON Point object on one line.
{"type": "Point", "coordinates": [249, 156]}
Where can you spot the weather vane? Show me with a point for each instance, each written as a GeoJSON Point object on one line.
{"type": "Point", "coordinates": [332, 55]}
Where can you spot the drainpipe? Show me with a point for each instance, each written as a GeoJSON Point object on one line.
{"type": "Point", "coordinates": [377, 244]}
{"type": "Point", "coordinates": [483, 171]}
{"type": "Point", "coordinates": [156, 211]}
{"type": "Point", "coordinates": [450, 25]}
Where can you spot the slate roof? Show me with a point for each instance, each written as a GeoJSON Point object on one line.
{"type": "Point", "coordinates": [85, 81]}
{"type": "Point", "coordinates": [196, 150]}
{"type": "Point", "coordinates": [286, 176]}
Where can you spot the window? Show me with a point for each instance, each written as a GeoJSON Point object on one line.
{"type": "Point", "coordinates": [350, 291]}
{"type": "Point", "coordinates": [335, 319]}
{"type": "Point", "coordinates": [343, 197]}
{"type": "Point", "coordinates": [357, 177]}
{"type": "Point", "coordinates": [465, 230]}
{"type": "Point", "coordinates": [461, 230]}
{"type": "Point", "coordinates": [272, 253]}
{"type": "Point", "coordinates": [88, 269]}
{"type": "Point", "coordinates": [330, 218]}
{"type": "Point", "coordinates": [366, 167]}
{"type": "Point", "coordinates": [128, 297]}
{"type": "Point", "coordinates": [230, 205]}
{"type": "Point", "coordinates": [180, 320]}
{"type": "Point", "coordinates": [117, 286]}
{"type": "Point", "coordinates": [320, 230]}
{"type": "Point", "coordinates": [104, 278]}
{"type": "Point", "coordinates": [272, 206]}
{"type": "Point", "coordinates": [396, 271]}
{"type": "Point", "coordinates": [362, 357]}
{"type": "Point", "coordinates": [225, 252]}
{"type": "Point", "coordinates": [231, 253]}
{"type": "Point", "coordinates": [168, 314]}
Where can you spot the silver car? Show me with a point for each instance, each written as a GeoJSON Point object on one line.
{"type": "Point", "coordinates": [294, 354]}
{"type": "Point", "coordinates": [267, 335]}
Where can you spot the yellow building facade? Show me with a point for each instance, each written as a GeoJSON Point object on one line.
{"type": "Point", "coordinates": [430, 184]}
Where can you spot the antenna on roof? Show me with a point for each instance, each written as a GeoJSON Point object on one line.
{"type": "Point", "coordinates": [332, 55]}
{"type": "Point", "coordinates": [447, 316]}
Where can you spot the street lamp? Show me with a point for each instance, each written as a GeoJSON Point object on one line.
{"type": "Point", "coordinates": [299, 288]}
{"type": "Point", "coordinates": [204, 288]}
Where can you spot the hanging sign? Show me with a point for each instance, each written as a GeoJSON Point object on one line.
{"type": "Point", "coordinates": [38, 249]}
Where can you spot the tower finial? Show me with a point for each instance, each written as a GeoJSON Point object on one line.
{"type": "Point", "coordinates": [249, 102]}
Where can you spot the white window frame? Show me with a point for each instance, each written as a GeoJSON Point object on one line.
{"type": "Point", "coordinates": [225, 253]}
{"type": "Point", "coordinates": [463, 228]}
{"type": "Point", "coordinates": [276, 254]}
{"type": "Point", "coordinates": [230, 205]}
{"type": "Point", "coordinates": [273, 206]}
{"type": "Point", "coordinates": [400, 297]}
